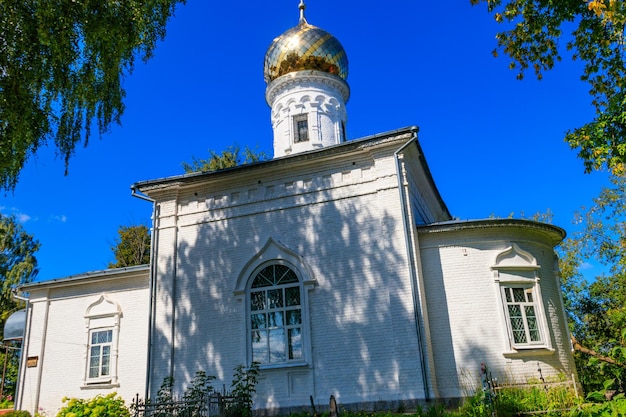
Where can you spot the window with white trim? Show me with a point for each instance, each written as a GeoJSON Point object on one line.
{"type": "Point", "coordinates": [102, 320]}
{"type": "Point", "coordinates": [275, 303]}
{"type": "Point", "coordinates": [521, 312]}
{"type": "Point", "coordinates": [517, 276]}
{"type": "Point", "coordinates": [100, 344]}
{"type": "Point", "coordinates": [301, 128]}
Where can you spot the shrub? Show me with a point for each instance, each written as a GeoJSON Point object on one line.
{"type": "Point", "coordinates": [17, 413]}
{"type": "Point", "coordinates": [243, 388]}
{"type": "Point", "coordinates": [100, 406]}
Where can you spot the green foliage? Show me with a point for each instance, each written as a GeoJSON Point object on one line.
{"type": "Point", "coordinates": [199, 387]}
{"type": "Point", "coordinates": [243, 388]}
{"type": "Point", "coordinates": [230, 157]}
{"type": "Point", "coordinates": [61, 69]}
{"type": "Point", "coordinates": [194, 398]}
{"type": "Point", "coordinates": [132, 246]}
{"type": "Point", "coordinates": [100, 406]}
{"type": "Point", "coordinates": [600, 405]}
{"type": "Point", "coordinates": [7, 401]}
{"type": "Point", "coordinates": [18, 266]}
{"type": "Point", "coordinates": [17, 413]}
{"type": "Point", "coordinates": [196, 393]}
{"type": "Point", "coordinates": [597, 309]}
{"type": "Point", "coordinates": [533, 38]}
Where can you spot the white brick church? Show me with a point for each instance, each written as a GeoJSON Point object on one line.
{"type": "Point", "coordinates": [336, 266]}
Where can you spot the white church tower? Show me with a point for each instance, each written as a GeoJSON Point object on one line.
{"type": "Point", "coordinates": [306, 70]}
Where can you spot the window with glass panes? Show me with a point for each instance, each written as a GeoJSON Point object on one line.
{"type": "Point", "coordinates": [100, 353]}
{"type": "Point", "coordinates": [522, 313]}
{"type": "Point", "coordinates": [276, 316]}
{"type": "Point", "coordinates": [301, 128]}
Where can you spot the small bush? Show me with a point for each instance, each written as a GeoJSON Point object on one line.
{"type": "Point", "coordinates": [100, 406]}
{"type": "Point", "coordinates": [17, 413]}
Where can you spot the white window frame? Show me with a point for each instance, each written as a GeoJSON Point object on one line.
{"type": "Point", "coordinates": [508, 291]}
{"type": "Point", "coordinates": [102, 315]}
{"type": "Point", "coordinates": [104, 360]}
{"type": "Point", "coordinates": [296, 131]}
{"type": "Point", "coordinates": [516, 268]}
{"type": "Point", "coordinates": [274, 252]}
{"type": "Point", "coordinates": [270, 306]}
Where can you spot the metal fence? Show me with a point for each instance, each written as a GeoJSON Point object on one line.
{"type": "Point", "coordinates": [539, 397]}
{"type": "Point", "coordinates": [213, 404]}
{"type": "Point", "coordinates": [543, 398]}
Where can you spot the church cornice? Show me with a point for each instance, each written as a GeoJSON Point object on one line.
{"type": "Point", "coordinates": [554, 233]}
{"type": "Point", "coordinates": [301, 78]}
{"type": "Point", "coordinates": [169, 184]}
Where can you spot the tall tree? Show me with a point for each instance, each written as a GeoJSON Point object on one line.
{"type": "Point", "coordinates": [61, 69]}
{"type": "Point", "coordinates": [597, 307]}
{"type": "Point", "coordinates": [230, 157]}
{"type": "Point", "coordinates": [18, 264]}
{"type": "Point", "coordinates": [132, 247]}
{"type": "Point", "coordinates": [534, 38]}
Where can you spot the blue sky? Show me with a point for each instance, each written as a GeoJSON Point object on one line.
{"type": "Point", "coordinates": [494, 145]}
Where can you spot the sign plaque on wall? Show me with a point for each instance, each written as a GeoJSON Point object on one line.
{"type": "Point", "coordinates": [31, 361]}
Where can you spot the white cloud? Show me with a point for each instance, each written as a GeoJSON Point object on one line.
{"type": "Point", "coordinates": [22, 217]}
{"type": "Point", "coordinates": [586, 265]}
{"type": "Point", "coordinates": [19, 215]}
{"type": "Point", "coordinates": [60, 218]}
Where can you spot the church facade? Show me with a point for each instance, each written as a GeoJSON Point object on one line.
{"type": "Point", "coordinates": [336, 266]}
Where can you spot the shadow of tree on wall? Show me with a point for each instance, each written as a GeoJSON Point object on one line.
{"type": "Point", "coordinates": [361, 314]}
{"type": "Point", "coordinates": [364, 338]}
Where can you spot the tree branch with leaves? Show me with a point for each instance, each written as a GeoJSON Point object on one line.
{"type": "Point", "coordinates": [62, 63]}
{"type": "Point", "coordinates": [534, 39]}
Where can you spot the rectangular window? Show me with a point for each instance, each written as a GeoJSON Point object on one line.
{"type": "Point", "coordinates": [521, 311]}
{"type": "Point", "coordinates": [100, 344]}
{"type": "Point", "coordinates": [301, 128]}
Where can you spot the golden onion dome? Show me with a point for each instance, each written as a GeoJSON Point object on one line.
{"type": "Point", "coordinates": [305, 47]}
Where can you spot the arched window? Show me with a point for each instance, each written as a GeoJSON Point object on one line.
{"type": "Point", "coordinates": [276, 324]}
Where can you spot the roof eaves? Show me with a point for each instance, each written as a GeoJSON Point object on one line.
{"type": "Point", "coordinates": [361, 143]}
{"type": "Point", "coordinates": [86, 276]}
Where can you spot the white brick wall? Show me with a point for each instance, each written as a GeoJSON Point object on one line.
{"type": "Point", "coordinates": [59, 336]}
{"type": "Point", "coordinates": [345, 221]}
{"type": "Point", "coordinates": [467, 320]}
{"type": "Point", "coordinates": [341, 212]}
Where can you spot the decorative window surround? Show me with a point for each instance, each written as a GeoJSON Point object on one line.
{"type": "Point", "coordinates": [102, 322]}
{"type": "Point", "coordinates": [261, 306]}
{"type": "Point", "coordinates": [516, 275]}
